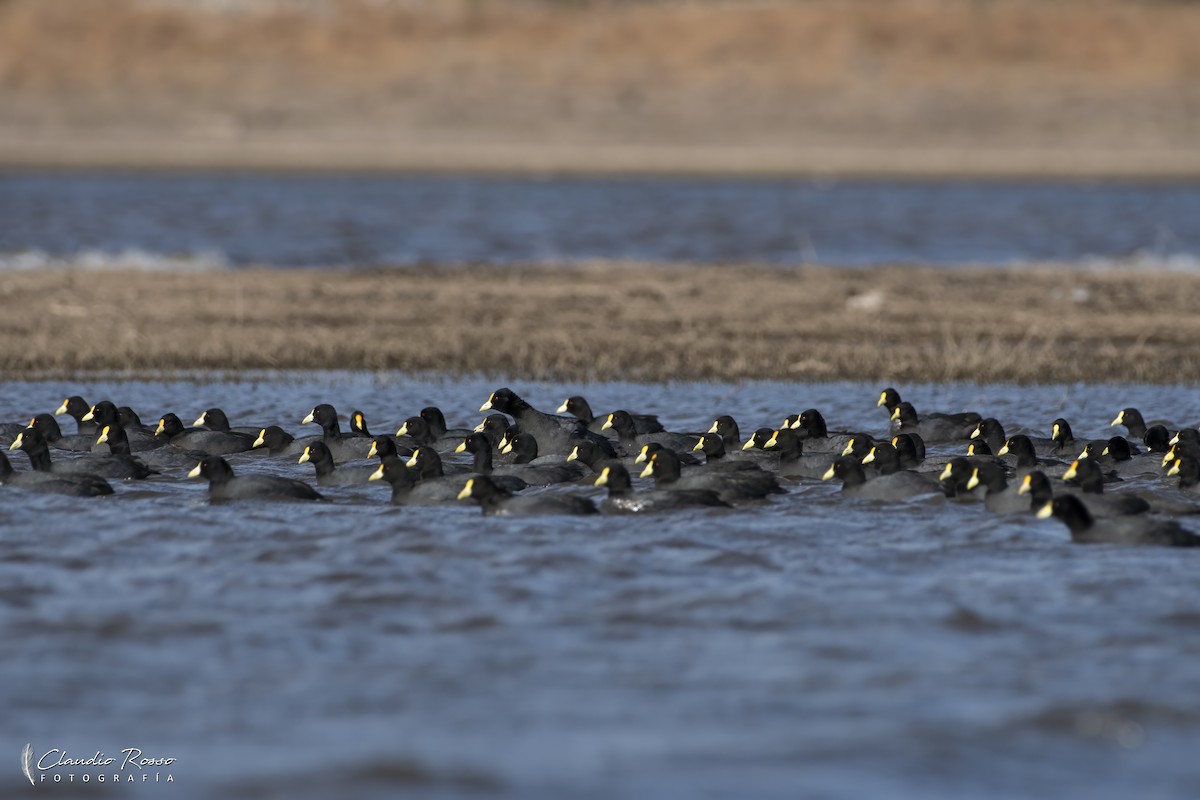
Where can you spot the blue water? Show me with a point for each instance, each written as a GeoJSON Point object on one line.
{"type": "Point", "coordinates": [814, 646]}
{"type": "Point", "coordinates": [287, 220]}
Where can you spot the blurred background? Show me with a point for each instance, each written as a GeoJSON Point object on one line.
{"type": "Point", "coordinates": [1094, 87]}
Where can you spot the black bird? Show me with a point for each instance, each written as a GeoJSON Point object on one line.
{"type": "Point", "coordinates": [1022, 447]}
{"type": "Point", "coordinates": [493, 500]}
{"type": "Point", "coordinates": [793, 462]}
{"type": "Point", "coordinates": [726, 427]}
{"type": "Point", "coordinates": [105, 414]}
{"type": "Point", "coordinates": [410, 489]}
{"type": "Point", "coordinates": [76, 485]}
{"type": "Point", "coordinates": [999, 497]}
{"type": "Point", "coordinates": [524, 450]}
{"type": "Point", "coordinates": [116, 439]}
{"type": "Point", "coordinates": [214, 443]}
{"type": "Point", "coordinates": [579, 408]}
{"type": "Point", "coordinates": [1139, 530]}
{"type": "Point", "coordinates": [932, 428]}
{"type": "Point", "coordinates": [78, 408]}
{"type": "Point", "coordinates": [897, 486]}
{"type": "Point", "coordinates": [991, 431]}
{"type": "Point", "coordinates": [128, 419]}
{"type": "Point", "coordinates": [1088, 476]}
{"type": "Point", "coordinates": [427, 466]}
{"type": "Point", "coordinates": [328, 473]}
{"type": "Point", "coordinates": [1188, 470]}
{"type": "Point", "coordinates": [1132, 419]}
{"type": "Point", "coordinates": [859, 444]}
{"type": "Point", "coordinates": [715, 454]}
{"type": "Point", "coordinates": [216, 420]}
{"type": "Point", "coordinates": [358, 425]}
{"type": "Point", "coordinates": [385, 447]}
{"type": "Point", "coordinates": [731, 486]}
{"type": "Point", "coordinates": [494, 427]}
{"type": "Point", "coordinates": [278, 442]}
{"type": "Point", "coordinates": [47, 426]}
{"type": "Point", "coordinates": [650, 448]}
{"type": "Point", "coordinates": [810, 425]}
{"type": "Point", "coordinates": [342, 448]}
{"type": "Point", "coordinates": [532, 474]}
{"type": "Point", "coordinates": [1157, 439]}
{"type": "Point", "coordinates": [1062, 436]}
{"type": "Point", "coordinates": [621, 422]}
{"type": "Point", "coordinates": [622, 499]}
{"type": "Point", "coordinates": [910, 447]}
{"type": "Point", "coordinates": [588, 454]}
{"type": "Point", "coordinates": [418, 432]}
{"type": "Point", "coordinates": [103, 466]}
{"type": "Point", "coordinates": [555, 435]}
{"type": "Point", "coordinates": [436, 421]}
{"type": "Point", "coordinates": [224, 485]}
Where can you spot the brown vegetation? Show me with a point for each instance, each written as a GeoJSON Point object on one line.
{"type": "Point", "coordinates": [614, 321]}
{"type": "Point", "coordinates": [1102, 86]}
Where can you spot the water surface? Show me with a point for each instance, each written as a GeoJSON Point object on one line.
{"type": "Point", "coordinates": [813, 646]}
{"type": "Point", "coordinates": [279, 219]}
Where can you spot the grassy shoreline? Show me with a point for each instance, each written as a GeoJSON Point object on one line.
{"type": "Point", "coordinates": [614, 321]}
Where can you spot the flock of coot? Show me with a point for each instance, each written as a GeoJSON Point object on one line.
{"type": "Point", "coordinates": [1124, 489]}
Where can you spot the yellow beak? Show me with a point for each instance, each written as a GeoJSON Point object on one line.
{"type": "Point", "coordinates": [828, 473]}
{"type": "Point", "coordinates": [371, 453]}
{"type": "Point", "coordinates": [161, 427]}
{"type": "Point", "coordinates": [713, 429]}
{"type": "Point", "coordinates": [973, 481]}
{"type": "Point", "coordinates": [607, 423]}
{"type": "Point", "coordinates": [1024, 488]}
{"type": "Point", "coordinates": [561, 409]}
{"type": "Point", "coordinates": [1120, 418]}
{"type": "Point", "coordinates": [403, 430]}
{"type": "Point", "coordinates": [975, 434]}
{"type": "Point", "coordinates": [896, 413]}
{"type": "Point", "coordinates": [466, 490]}
{"type": "Point", "coordinates": [90, 415]}
{"type": "Point", "coordinates": [506, 446]}
{"type": "Point", "coordinates": [487, 406]}
{"type": "Point", "coordinates": [849, 448]}
{"type": "Point", "coordinates": [103, 437]}
{"type": "Point", "coordinates": [1169, 457]}
{"type": "Point", "coordinates": [1071, 472]}
{"type": "Point", "coordinates": [195, 473]}
{"type": "Point", "coordinates": [574, 453]}
{"type": "Point", "coordinates": [307, 419]}
{"type": "Point", "coordinates": [377, 475]}
{"type": "Point", "coordinates": [882, 399]}
{"type": "Point", "coordinates": [1174, 470]}
{"type": "Point", "coordinates": [947, 473]}
{"type": "Point", "coordinates": [603, 479]}
{"type": "Point", "coordinates": [749, 444]}
{"type": "Point", "coordinates": [1046, 511]}
{"type": "Point", "coordinates": [61, 409]}
{"type": "Point", "coordinates": [1003, 451]}
{"type": "Point", "coordinates": [303, 457]}
{"type": "Point", "coordinates": [648, 471]}
{"type": "Point", "coordinates": [641, 456]}
{"type": "Point", "coordinates": [869, 457]}
{"type": "Point", "coordinates": [699, 445]}
{"type": "Point", "coordinates": [199, 420]}
{"type": "Point", "coordinates": [772, 442]}
{"type": "Point", "coordinates": [16, 445]}
{"type": "Point", "coordinates": [462, 447]}
{"type": "Point", "coordinates": [412, 460]}
{"type": "Point", "coordinates": [261, 440]}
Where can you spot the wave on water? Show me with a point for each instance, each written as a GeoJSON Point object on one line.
{"type": "Point", "coordinates": [128, 258]}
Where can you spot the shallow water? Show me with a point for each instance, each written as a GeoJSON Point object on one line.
{"type": "Point", "coordinates": [813, 646]}
{"type": "Point", "coordinates": [201, 221]}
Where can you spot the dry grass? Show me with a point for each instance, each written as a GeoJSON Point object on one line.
{"type": "Point", "coordinates": [615, 321]}
{"type": "Point", "coordinates": [501, 82]}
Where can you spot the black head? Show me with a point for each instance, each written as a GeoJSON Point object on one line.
{"type": "Point", "coordinates": [394, 471]}
{"type": "Point", "coordinates": [47, 426]}
{"type": "Point", "coordinates": [1038, 487]}
{"type": "Point", "coordinates": [482, 490]}
{"type": "Point", "coordinates": [128, 418]}
{"type": "Point", "coordinates": [358, 423]}
{"type": "Point", "coordinates": [504, 401]}
{"type": "Point", "coordinates": [905, 415]}
{"type": "Point", "coordinates": [1118, 449]}
{"type": "Point", "coordinates": [418, 429]}
{"type": "Point", "coordinates": [989, 476]}
{"type": "Point", "coordinates": [74, 405]}
{"type": "Point", "coordinates": [1020, 446]}
{"type": "Point", "coordinates": [848, 470]}
{"type": "Point", "coordinates": [1086, 474]}
{"type": "Point", "coordinates": [478, 446]}
{"type": "Point", "coordinates": [326, 416]}
{"type": "Point", "coordinates": [105, 413]}
{"type": "Point", "coordinates": [1186, 436]}
{"type": "Point", "coordinates": [214, 469]}
{"type": "Point", "coordinates": [989, 430]}
{"type": "Point", "coordinates": [883, 457]}
{"type": "Point", "coordinates": [616, 478]}
{"type": "Point", "coordinates": [759, 438]}
{"type": "Point", "coordinates": [785, 441]}
{"type": "Point", "coordinates": [115, 437]}
{"type": "Point", "coordinates": [726, 427]}
{"type": "Point", "coordinates": [214, 419]}
{"type": "Point", "coordinates": [1157, 439]}
{"type": "Point", "coordinates": [889, 398]}
{"type": "Point", "coordinates": [168, 425]}
{"type": "Point", "coordinates": [1070, 509]}
{"type": "Point", "coordinates": [274, 438]}
{"type": "Point", "coordinates": [577, 407]}
{"type": "Point", "coordinates": [1061, 432]}
{"type": "Point", "coordinates": [1188, 470]}
{"type": "Point", "coordinates": [435, 419]}
{"type": "Point", "coordinates": [978, 447]}
{"type": "Point", "coordinates": [319, 456]}
{"type": "Point", "coordinates": [1131, 418]}
{"type": "Point", "coordinates": [712, 445]}
{"type": "Point", "coordinates": [621, 422]}
{"type": "Point", "coordinates": [955, 476]}
{"type": "Point", "coordinates": [426, 462]}
{"type": "Point", "coordinates": [812, 423]}
{"type": "Point", "coordinates": [522, 446]}
{"type": "Point", "coordinates": [663, 465]}
{"type": "Point", "coordinates": [29, 440]}
{"type": "Point", "coordinates": [1093, 449]}
{"type": "Point", "coordinates": [859, 445]}
{"type": "Point", "coordinates": [906, 449]}
{"type": "Point", "coordinates": [384, 447]}
{"type": "Point", "coordinates": [588, 453]}
{"type": "Point", "coordinates": [494, 426]}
